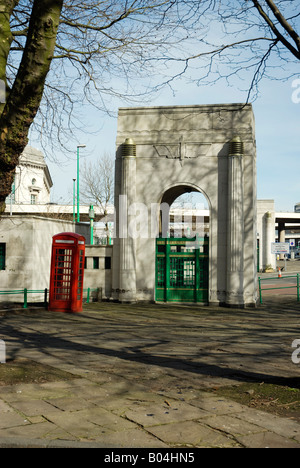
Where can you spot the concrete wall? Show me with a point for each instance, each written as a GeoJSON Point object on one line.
{"type": "Point", "coordinates": [28, 250]}
{"type": "Point", "coordinates": [99, 274]}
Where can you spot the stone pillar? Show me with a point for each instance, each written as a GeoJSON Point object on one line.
{"type": "Point", "coordinates": [235, 227]}
{"type": "Point", "coordinates": [127, 288]}
{"type": "Point", "coordinates": [116, 241]}
{"type": "Point", "coordinates": [269, 238]}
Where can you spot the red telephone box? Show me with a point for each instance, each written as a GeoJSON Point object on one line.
{"type": "Point", "coordinates": [67, 271]}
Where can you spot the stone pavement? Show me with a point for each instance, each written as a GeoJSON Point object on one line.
{"type": "Point", "coordinates": [139, 375]}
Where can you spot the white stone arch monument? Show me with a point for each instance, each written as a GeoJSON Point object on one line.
{"type": "Point", "coordinates": [171, 150]}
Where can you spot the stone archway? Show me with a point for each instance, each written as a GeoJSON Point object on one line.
{"type": "Point", "coordinates": [182, 249]}
{"type": "Point", "coordinates": [164, 151]}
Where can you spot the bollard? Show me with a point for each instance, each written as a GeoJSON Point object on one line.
{"type": "Point", "coordinates": [25, 299]}
{"type": "Point", "coordinates": [45, 298]}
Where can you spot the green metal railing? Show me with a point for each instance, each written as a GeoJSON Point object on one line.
{"type": "Point", "coordinates": [89, 295]}
{"type": "Point", "coordinates": [26, 292]}
{"type": "Point", "coordinates": [260, 280]}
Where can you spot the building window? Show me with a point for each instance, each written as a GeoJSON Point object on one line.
{"type": "Point", "coordinates": [12, 198]}
{"type": "Point", "coordinates": [33, 199]}
{"type": "Point", "coordinates": [96, 263]}
{"type": "Point", "coordinates": [33, 182]}
{"type": "Point", "coordinates": [2, 256]}
{"type": "Point", "coordinates": [107, 263]}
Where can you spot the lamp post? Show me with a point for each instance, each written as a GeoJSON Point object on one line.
{"type": "Point", "coordinates": [78, 214]}
{"type": "Point", "coordinates": [74, 198]}
{"type": "Point", "coordinates": [92, 216]}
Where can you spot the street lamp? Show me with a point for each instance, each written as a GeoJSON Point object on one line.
{"type": "Point", "coordinates": [92, 216]}
{"type": "Point", "coordinates": [78, 214]}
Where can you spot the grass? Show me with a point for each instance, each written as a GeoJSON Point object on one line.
{"type": "Point", "coordinates": [23, 371]}
{"type": "Point", "coordinates": [277, 399]}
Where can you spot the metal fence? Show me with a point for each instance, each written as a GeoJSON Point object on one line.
{"type": "Point", "coordinates": [261, 289]}
{"type": "Point", "coordinates": [26, 293]}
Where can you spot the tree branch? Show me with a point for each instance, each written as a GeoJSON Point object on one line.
{"type": "Point", "coordinates": [284, 23]}
{"type": "Point", "coordinates": [279, 36]}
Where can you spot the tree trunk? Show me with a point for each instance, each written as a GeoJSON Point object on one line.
{"type": "Point", "coordinates": [24, 98]}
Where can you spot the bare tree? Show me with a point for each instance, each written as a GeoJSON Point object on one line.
{"type": "Point", "coordinates": [105, 51]}
{"type": "Point", "coordinates": [98, 185]}
{"type": "Point", "coordinates": [246, 39]}
{"type": "Point", "coordinates": [98, 182]}
{"type": "Point", "coordinates": [57, 54]}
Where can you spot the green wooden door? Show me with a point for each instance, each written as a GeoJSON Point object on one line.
{"type": "Point", "coordinates": [182, 270]}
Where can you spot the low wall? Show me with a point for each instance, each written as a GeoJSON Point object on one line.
{"type": "Point", "coordinates": [98, 270]}
{"type": "Point", "coordinates": [26, 248]}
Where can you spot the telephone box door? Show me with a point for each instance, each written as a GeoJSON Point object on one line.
{"type": "Point", "coordinates": [67, 272]}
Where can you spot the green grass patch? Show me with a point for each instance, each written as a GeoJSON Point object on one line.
{"type": "Point", "coordinates": [277, 399]}
{"type": "Point", "coordinates": [23, 371]}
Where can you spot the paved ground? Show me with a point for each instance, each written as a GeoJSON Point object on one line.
{"type": "Point", "coordinates": [287, 282]}
{"type": "Point", "coordinates": [289, 265]}
{"type": "Point", "coordinates": [140, 374]}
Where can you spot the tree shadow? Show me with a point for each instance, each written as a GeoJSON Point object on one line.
{"type": "Point", "coordinates": [69, 349]}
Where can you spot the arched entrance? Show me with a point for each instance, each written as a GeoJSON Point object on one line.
{"type": "Point", "coordinates": [163, 153]}
{"type": "Point", "coordinates": [182, 248]}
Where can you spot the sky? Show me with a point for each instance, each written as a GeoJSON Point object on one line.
{"type": "Point", "coordinates": [276, 109]}
{"type": "Point", "coordinates": [277, 117]}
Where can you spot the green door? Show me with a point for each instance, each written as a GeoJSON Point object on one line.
{"type": "Point", "coordinates": [182, 270]}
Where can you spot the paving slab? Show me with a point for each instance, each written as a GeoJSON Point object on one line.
{"type": "Point", "coordinates": [194, 434]}
{"type": "Point", "coordinates": [140, 375]}
{"type": "Point", "coordinates": [233, 425]}
{"type": "Point", "coordinates": [267, 440]}
{"type": "Point", "coordinates": [163, 412]}
{"type": "Point", "coordinates": [32, 407]}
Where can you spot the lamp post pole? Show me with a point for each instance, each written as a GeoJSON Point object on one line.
{"type": "Point", "coordinates": [74, 198]}
{"type": "Point", "coordinates": [78, 213]}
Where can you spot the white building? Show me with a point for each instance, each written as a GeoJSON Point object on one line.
{"type": "Point", "coordinates": [33, 182]}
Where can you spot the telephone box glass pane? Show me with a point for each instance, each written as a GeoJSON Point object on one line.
{"type": "Point", "coordinates": [62, 275]}
{"type": "Point", "coordinates": [80, 275]}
